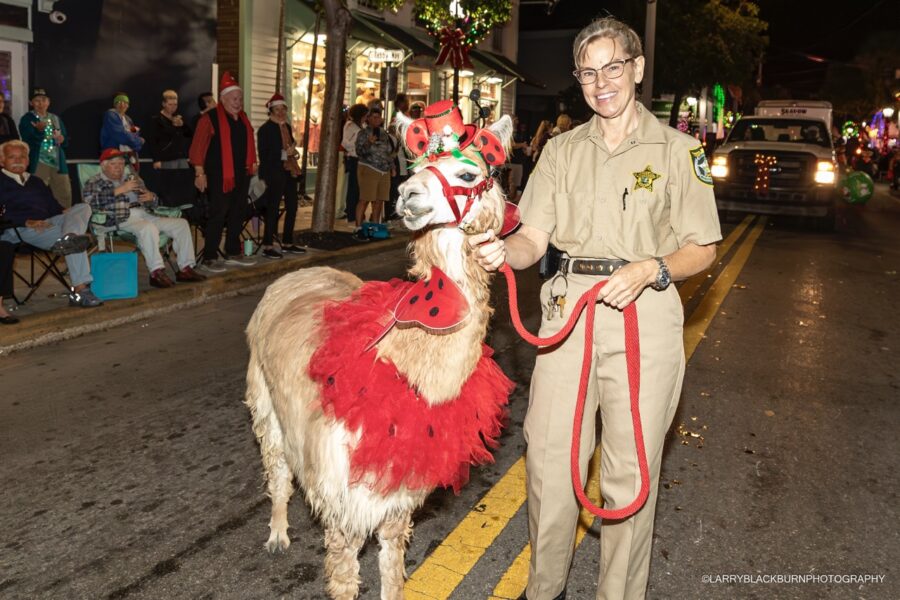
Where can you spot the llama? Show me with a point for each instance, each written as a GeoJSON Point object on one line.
{"type": "Point", "coordinates": [312, 415]}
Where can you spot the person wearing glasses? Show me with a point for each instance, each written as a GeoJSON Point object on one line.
{"type": "Point", "coordinates": [629, 201]}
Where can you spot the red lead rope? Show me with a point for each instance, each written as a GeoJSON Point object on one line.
{"type": "Point", "coordinates": [633, 361]}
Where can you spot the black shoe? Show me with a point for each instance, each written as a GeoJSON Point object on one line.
{"type": "Point", "coordinates": [71, 243]}
{"type": "Point", "coordinates": [9, 320]}
{"type": "Point", "coordinates": [293, 249]}
{"type": "Point", "coordinates": [360, 236]}
{"type": "Point", "coordinates": [271, 253]}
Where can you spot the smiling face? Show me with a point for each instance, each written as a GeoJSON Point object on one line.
{"type": "Point", "coordinates": [609, 98]}
{"type": "Point", "coordinates": [233, 101]}
{"type": "Point", "coordinates": [40, 104]}
{"type": "Point", "coordinates": [15, 159]}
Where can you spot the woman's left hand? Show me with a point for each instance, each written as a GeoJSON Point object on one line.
{"type": "Point", "coordinates": [625, 285]}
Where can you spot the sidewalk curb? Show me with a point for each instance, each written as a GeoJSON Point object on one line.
{"type": "Point", "coordinates": [67, 322]}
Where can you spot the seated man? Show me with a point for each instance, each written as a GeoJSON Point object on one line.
{"type": "Point", "coordinates": [123, 199]}
{"type": "Point", "coordinates": [41, 222]}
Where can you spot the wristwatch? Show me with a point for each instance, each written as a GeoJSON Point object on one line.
{"type": "Point", "coordinates": [663, 278]}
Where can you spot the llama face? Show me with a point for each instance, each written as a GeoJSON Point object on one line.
{"type": "Point", "coordinates": [424, 202]}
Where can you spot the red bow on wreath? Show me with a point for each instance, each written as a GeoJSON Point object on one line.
{"type": "Point", "coordinates": [454, 48]}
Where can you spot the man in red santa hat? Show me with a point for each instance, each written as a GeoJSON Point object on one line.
{"type": "Point", "coordinates": [223, 155]}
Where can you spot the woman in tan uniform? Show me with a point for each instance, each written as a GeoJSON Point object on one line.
{"type": "Point", "coordinates": [625, 195]}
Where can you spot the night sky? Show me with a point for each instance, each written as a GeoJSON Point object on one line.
{"type": "Point", "coordinates": [804, 35]}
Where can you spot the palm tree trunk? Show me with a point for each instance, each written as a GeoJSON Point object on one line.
{"type": "Point", "coordinates": [676, 107]}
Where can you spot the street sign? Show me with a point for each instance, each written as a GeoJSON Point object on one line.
{"type": "Point", "coordinates": [382, 55]}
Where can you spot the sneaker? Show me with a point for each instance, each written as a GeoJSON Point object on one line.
{"type": "Point", "coordinates": [212, 266]}
{"type": "Point", "coordinates": [272, 253]}
{"type": "Point", "coordinates": [71, 243]}
{"type": "Point", "coordinates": [292, 249]}
{"type": "Point", "coordinates": [84, 298]}
{"type": "Point", "coordinates": [238, 261]}
{"type": "Point", "coordinates": [360, 236]}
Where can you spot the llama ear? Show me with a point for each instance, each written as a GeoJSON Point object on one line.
{"type": "Point", "coordinates": [503, 129]}
{"type": "Point", "coordinates": [416, 136]}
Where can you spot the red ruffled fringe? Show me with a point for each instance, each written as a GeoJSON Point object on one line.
{"type": "Point", "coordinates": [404, 442]}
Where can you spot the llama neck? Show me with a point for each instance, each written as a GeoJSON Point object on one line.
{"type": "Point", "coordinates": [451, 357]}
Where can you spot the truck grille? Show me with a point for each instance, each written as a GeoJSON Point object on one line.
{"type": "Point", "coordinates": [790, 169]}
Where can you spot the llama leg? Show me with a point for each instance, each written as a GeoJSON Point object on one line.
{"type": "Point", "coordinates": [271, 446]}
{"type": "Point", "coordinates": [393, 535]}
{"type": "Point", "coordinates": [342, 564]}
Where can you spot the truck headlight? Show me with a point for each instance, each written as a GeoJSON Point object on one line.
{"type": "Point", "coordinates": [825, 172]}
{"type": "Point", "coordinates": [720, 167]}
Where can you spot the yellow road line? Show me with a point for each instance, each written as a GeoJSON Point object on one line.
{"type": "Point", "coordinates": [445, 568]}
{"type": "Point", "coordinates": [687, 289]}
{"type": "Point", "coordinates": [695, 328]}
{"type": "Point", "coordinates": [449, 563]}
{"type": "Point", "coordinates": [512, 584]}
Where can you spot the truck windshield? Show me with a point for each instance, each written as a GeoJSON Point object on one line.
{"type": "Point", "coordinates": [798, 131]}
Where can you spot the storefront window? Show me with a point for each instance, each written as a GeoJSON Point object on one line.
{"type": "Point", "coordinates": [418, 85]}
{"type": "Point", "coordinates": [368, 80]}
{"type": "Point", "coordinates": [301, 99]}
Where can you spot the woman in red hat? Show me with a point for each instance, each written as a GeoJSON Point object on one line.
{"type": "Point", "coordinates": [278, 168]}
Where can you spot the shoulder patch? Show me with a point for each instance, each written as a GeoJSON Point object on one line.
{"type": "Point", "coordinates": [701, 166]}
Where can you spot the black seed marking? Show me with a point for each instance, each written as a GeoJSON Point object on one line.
{"type": "Point", "coordinates": [490, 158]}
{"type": "Point", "coordinates": [484, 140]}
{"type": "Point", "coordinates": [330, 380]}
{"type": "Point", "coordinates": [392, 430]}
{"type": "Point", "coordinates": [434, 311]}
{"type": "Point", "coordinates": [414, 299]}
{"type": "Point", "coordinates": [429, 295]}
{"type": "Point", "coordinates": [430, 431]}
{"type": "Point", "coordinates": [440, 284]}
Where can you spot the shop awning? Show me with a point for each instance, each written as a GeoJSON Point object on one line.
{"type": "Point", "coordinates": [388, 34]}
{"type": "Point", "coordinates": [503, 66]}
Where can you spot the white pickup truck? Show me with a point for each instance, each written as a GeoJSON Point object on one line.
{"type": "Point", "coordinates": [780, 161]}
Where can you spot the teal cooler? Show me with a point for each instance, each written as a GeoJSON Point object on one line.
{"type": "Point", "coordinates": [115, 275]}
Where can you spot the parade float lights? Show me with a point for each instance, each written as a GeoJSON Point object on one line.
{"type": "Point", "coordinates": [888, 112]}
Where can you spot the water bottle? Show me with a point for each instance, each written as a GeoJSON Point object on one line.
{"type": "Point", "coordinates": [248, 247]}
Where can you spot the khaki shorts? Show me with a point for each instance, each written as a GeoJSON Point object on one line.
{"type": "Point", "coordinates": [373, 186]}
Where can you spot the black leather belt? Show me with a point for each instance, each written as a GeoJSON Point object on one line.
{"type": "Point", "coordinates": [591, 266]}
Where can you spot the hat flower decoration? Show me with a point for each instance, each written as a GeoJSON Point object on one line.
{"type": "Point", "coordinates": [441, 132]}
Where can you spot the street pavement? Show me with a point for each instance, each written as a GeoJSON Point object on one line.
{"type": "Point", "coordinates": [130, 470]}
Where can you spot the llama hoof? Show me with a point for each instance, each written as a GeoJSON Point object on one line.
{"type": "Point", "coordinates": [277, 543]}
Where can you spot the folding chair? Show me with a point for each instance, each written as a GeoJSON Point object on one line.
{"type": "Point", "coordinates": [255, 211]}
{"type": "Point", "coordinates": [42, 264]}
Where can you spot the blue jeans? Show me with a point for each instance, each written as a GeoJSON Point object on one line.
{"type": "Point", "coordinates": [74, 220]}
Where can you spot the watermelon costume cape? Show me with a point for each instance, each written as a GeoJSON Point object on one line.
{"type": "Point", "coordinates": [405, 442]}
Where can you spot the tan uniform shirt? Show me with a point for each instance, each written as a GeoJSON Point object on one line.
{"type": "Point", "coordinates": [648, 198]}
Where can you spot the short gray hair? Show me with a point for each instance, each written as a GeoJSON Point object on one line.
{"type": "Point", "coordinates": [14, 144]}
{"type": "Point", "coordinates": [607, 27]}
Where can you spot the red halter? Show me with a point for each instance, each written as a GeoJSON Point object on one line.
{"type": "Point", "coordinates": [471, 193]}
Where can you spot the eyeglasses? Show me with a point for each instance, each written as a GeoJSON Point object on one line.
{"type": "Point", "coordinates": [611, 70]}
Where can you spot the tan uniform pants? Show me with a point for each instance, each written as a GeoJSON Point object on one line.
{"type": "Point", "coordinates": [59, 183]}
{"type": "Point", "coordinates": [552, 505]}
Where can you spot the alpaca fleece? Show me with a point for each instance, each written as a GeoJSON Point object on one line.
{"type": "Point", "coordinates": [404, 442]}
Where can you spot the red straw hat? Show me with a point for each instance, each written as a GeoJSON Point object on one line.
{"type": "Point", "coordinates": [442, 127]}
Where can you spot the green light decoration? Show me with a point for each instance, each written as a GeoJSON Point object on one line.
{"type": "Point", "coordinates": [475, 18]}
{"type": "Point", "coordinates": [719, 101]}
{"type": "Point", "coordinates": [850, 129]}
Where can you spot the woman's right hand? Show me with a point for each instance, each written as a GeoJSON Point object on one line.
{"type": "Point", "coordinates": [489, 250]}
